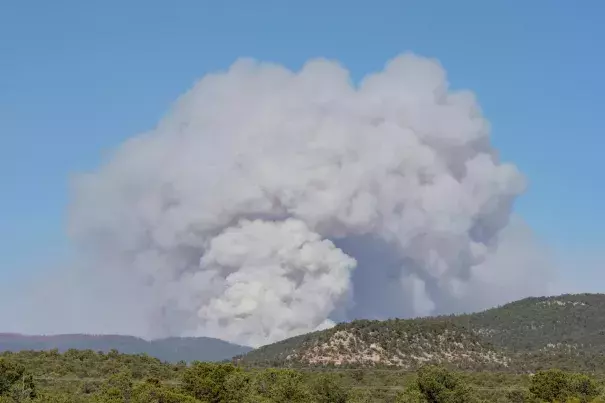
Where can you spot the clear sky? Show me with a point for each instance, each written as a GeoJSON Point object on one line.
{"type": "Point", "coordinates": [77, 78]}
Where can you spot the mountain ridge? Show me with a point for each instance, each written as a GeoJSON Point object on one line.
{"type": "Point", "coordinates": [565, 330]}
{"type": "Point", "coordinates": [171, 349]}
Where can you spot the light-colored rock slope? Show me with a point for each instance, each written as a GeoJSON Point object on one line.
{"type": "Point", "coordinates": [405, 344]}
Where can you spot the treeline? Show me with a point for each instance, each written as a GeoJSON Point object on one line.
{"type": "Point", "coordinates": [91, 364]}
{"type": "Point", "coordinates": [89, 377]}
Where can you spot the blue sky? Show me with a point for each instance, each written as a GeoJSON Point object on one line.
{"type": "Point", "coordinates": [77, 78]}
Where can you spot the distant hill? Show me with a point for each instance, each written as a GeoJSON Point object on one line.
{"type": "Point", "coordinates": [171, 349]}
{"type": "Point", "coordinates": [566, 331]}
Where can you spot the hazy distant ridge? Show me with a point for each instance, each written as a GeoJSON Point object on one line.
{"type": "Point", "coordinates": [170, 349]}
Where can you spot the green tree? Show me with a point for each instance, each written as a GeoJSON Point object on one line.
{"type": "Point", "coordinates": [280, 385]}
{"type": "Point", "coordinates": [437, 385]}
{"type": "Point", "coordinates": [238, 387]}
{"type": "Point", "coordinates": [25, 389]}
{"type": "Point", "coordinates": [556, 385]}
{"type": "Point", "coordinates": [15, 383]}
{"type": "Point", "coordinates": [116, 389]}
{"type": "Point", "coordinates": [10, 373]}
{"type": "Point", "coordinates": [327, 390]}
{"type": "Point", "coordinates": [206, 381]}
{"type": "Point", "coordinates": [550, 385]}
{"type": "Point", "coordinates": [152, 391]}
{"type": "Point", "coordinates": [583, 387]}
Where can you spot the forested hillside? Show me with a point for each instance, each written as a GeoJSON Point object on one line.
{"type": "Point", "coordinates": [569, 321]}
{"type": "Point", "coordinates": [565, 331]}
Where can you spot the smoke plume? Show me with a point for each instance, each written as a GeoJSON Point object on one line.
{"type": "Point", "coordinates": [270, 203]}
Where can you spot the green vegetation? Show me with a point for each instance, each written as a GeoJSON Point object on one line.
{"type": "Point", "coordinates": [573, 320]}
{"type": "Point", "coordinates": [89, 377]}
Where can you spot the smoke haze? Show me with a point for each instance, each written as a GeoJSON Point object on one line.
{"type": "Point", "coordinates": [270, 203]}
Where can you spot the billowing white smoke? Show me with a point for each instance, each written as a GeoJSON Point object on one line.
{"type": "Point", "coordinates": [269, 203]}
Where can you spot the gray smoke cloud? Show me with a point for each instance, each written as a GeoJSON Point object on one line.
{"type": "Point", "coordinates": [270, 203]}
